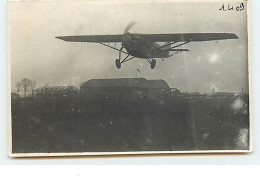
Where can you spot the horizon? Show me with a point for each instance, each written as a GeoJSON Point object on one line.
{"type": "Point", "coordinates": [242, 91]}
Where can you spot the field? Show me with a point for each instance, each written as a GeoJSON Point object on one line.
{"type": "Point", "coordinates": [75, 124]}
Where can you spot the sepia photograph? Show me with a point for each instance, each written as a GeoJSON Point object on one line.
{"type": "Point", "coordinates": [130, 77]}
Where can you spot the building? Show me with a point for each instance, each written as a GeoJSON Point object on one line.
{"type": "Point", "coordinates": [223, 95]}
{"type": "Point", "coordinates": [174, 92]}
{"type": "Point", "coordinates": [124, 88]}
{"type": "Point", "coordinates": [15, 96]}
{"type": "Point", "coordinates": [193, 95]}
{"type": "Point", "coordinates": [57, 91]}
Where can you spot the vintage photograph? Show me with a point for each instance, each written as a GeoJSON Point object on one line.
{"type": "Point", "coordinates": [131, 77]}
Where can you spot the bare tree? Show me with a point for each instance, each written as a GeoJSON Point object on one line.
{"type": "Point", "coordinates": [45, 87]}
{"type": "Point", "coordinates": [32, 86]}
{"type": "Point", "coordinates": [18, 87]}
{"type": "Point", "coordinates": [26, 85]}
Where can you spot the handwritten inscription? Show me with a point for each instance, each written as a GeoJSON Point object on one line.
{"type": "Point", "coordinates": [229, 7]}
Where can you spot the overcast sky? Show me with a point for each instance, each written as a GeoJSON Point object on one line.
{"type": "Point", "coordinates": [35, 53]}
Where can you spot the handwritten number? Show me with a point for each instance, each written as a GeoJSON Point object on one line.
{"type": "Point", "coordinates": [222, 8]}
{"type": "Point", "coordinates": [230, 8]}
{"type": "Point", "coordinates": [242, 7]}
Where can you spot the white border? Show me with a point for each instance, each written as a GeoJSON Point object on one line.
{"type": "Point", "coordinates": [10, 154]}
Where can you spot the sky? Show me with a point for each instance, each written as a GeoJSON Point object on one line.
{"type": "Point", "coordinates": [35, 53]}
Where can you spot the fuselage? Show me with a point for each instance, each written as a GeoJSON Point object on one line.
{"type": "Point", "coordinates": [142, 48]}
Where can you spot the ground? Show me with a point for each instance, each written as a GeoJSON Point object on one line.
{"type": "Point", "coordinates": [75, 124]}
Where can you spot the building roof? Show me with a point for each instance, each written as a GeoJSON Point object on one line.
{"type": "Point", "coordinates": [125, 82]}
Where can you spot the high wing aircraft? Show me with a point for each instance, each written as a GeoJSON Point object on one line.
{"type": "Point", "coordinates": [146, 46]}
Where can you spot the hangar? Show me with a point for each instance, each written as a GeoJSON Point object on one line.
{"type": "Point", "coordinates": [124, 88]}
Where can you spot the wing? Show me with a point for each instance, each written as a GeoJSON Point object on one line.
{"type": "Point", "coordinates": [92, 38]}
{"type": "Point", "coordinates": [187, 37]}
{"type": "Point", "coordinates": [152, 37]}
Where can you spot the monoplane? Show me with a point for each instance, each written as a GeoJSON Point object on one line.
{"type": "Point", "coordinates": [147, 46]}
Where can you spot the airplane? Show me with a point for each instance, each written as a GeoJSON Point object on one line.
{"type": "Point", "coordinates": [146, 46]}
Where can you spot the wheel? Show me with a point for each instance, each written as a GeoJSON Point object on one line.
{"type": "Point", "coordinates": [153, 63]}
{"type": "Point", "coordinates": [118, 64]}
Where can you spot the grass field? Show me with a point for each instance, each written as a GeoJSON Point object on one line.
{"type": "Point", "coordinates": [74, 124]}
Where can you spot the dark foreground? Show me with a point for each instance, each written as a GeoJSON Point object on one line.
{"type": "Point", "coordinates": [72, 124]}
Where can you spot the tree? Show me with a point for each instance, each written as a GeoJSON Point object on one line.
{"type": "Point", "coordinates": [18, 87]}
{"type": "Point", "coordinates": [32, 87]}
{"type": "Point", "coordinates": [45, 87]}
{"type": "Point", "coordinates": [26, 85]}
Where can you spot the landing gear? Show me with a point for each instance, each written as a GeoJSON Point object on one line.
{"type": "Point", "coordinates": [152, 62]}
{"type": "Point", "coordinates": [118, 63]}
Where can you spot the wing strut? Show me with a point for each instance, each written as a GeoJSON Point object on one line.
{"type": "Point", "coordinates": [172, 48]}
{"type": "Point", "coordinates": [166, 45]}
{"type": "Point", "coordinates": [181, 44]}
{"type": "Point", "coordinates": [113, 48]}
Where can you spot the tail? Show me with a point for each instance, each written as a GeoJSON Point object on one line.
{"type": "Point", "coordinates": [167, 46]}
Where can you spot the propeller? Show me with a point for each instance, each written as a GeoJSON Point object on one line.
{"type": "Point", "coordinates": [129, 26]}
